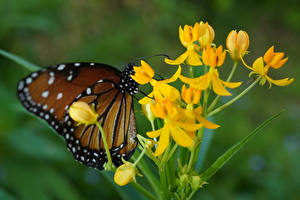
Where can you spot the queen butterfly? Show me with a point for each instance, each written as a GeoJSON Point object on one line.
{"type": "Point", "coordinates": [49, 92]}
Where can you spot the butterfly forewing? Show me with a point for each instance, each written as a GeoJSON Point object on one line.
{"type": "Point", "coordinates": [49, 93]}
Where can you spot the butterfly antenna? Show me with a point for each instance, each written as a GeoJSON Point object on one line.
{"type": "Point", "coordinates": [146, 95]}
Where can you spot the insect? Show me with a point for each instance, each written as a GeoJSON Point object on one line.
{"type": "Point", "coordinates": [49, 92]}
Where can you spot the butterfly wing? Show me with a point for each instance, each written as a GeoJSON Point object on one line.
{"type": "Point", "coordinates": [49, 92]}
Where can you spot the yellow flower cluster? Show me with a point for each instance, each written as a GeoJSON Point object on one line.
{"type": "Point", "coordinates": [182, 113]}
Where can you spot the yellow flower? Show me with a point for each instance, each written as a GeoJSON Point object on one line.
{"type": "Point", "coordinates": [188, 35]}
{"type": "Point", "coordinates": [81, 112]}
{"type": "Point", "coordinates": [196, 114]}
{"type": "Point", "coordinates": [174, 126]}
{"type": "Point", "coordinates": [143, 74]}
{"type": "Point", "coordinates": [273, 60]}
{"type": "Point", "coordinates": [237, 44]}
{"type": "Point", "coordinates": [190, 95]}
{"type": "Point", "coordinates": [206, 35]}
{"type": "Point", "coordinates": [125, 174]}
{"type": "Point", "coordinates": [161, 89]}
{"type": "Point", "coordinates": [214, 58]}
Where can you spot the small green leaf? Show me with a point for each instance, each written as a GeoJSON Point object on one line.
{"type": "Point", "coordinates": [218, 164]}
{"type": "Point", "coordinates": [28, 65]}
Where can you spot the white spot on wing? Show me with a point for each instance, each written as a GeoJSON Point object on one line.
{"type": "Point", "coordinates": [59, 96]}
{"type": "Point", "coordinates": [28, 80]}
{"type": "Point", "coordinates": [61, 67]}
{"type": "Point", "coordinates": [88, 91]}
{"type": "Point", "coordinates": [76, 64]}
{"type": "Point", "coordinates": [69, 77]}
{"type": "Point", "coordinates": [35, 74]}
{"type": "Point", "coordinates": [45, 94]}
{"type": "Point", "coordinates": [51, 80]}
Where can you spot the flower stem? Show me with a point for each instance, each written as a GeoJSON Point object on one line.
{"type": "Point", "coordinates": [234, 99]}
{"type": "Point", "coordinates": [191, 72]}
{"type": "Point", "coordinates": [163, 179]}
{"type": "Point", "coordinates": [143, 190]}
{"type": "Point", "coordinates": [215, 101]}
{"type": "Point", "coordinates": [206, 95]}
{"type": "Point", "coordinates": [142, 165]}
{"type": "Point", "coordinates": [110, 163]}
{"type": "Point", "coordinates": [195, 154]}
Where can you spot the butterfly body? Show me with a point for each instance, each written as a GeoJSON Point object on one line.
{"type": "Point", "coordinates": [50, 92]}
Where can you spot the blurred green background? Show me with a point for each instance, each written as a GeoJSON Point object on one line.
{"type": "Point", "coordinates": [34, 163]}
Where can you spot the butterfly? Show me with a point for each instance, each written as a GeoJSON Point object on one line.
{"type": "Point", "coordinates": [49, 92]}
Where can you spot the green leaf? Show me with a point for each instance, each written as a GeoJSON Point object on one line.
{"type": "Point", "coordinates": [218, 164]}
{"type": "Point", "coordinates": [26, 64]}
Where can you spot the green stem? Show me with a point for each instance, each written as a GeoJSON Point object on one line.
{"type": "Point", "coordinates": [143, 190]}
{"type": "Point", "coordinates": [234, 99]}
{"type": "Point", "coordinates": [163, 180]}
{"type": "Point", "coordinates": [191, 160]}
{"type": "Point", "coordinates": [142, 165]}
{"type": "Point", "coordinates": [197, 149]}
{"type": "Point", "coordinates": [172, 151]}
{"type": "Point", "coordinates": [191, 72]}
{"type": "Point", "coordinates": [206, 94]}
{"type": "Point", "coordinates": [215, 101]}
{"type": "Point", "coordinates": [110, 163]}
{"type": "Point", "coordinates": [191, 195]}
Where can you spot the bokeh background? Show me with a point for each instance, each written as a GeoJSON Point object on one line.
{"type": "Point", "coordinates": [34, 163]}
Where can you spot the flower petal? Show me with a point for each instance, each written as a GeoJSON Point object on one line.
{"type": "Point", "coordinates": [258, 66]}
{"type": "Point", "coordinates": [206, 123]}
{"type": "Point", "coordinates": [163, 142]}
{"type": "Point", "coordinates": [218, 86]}
{"type": "Point", "coordinates": [181, 137]}
{"type": "Point", "coordinates": [232, 84]}
{"type": "Point", "coordinates": [154, 134]}
{"type": "Point", "coordinates": [193, 58]}
{"type": "Point", "coordinates": [172, 78]}
{"type": "Point", "coordinates": [146, 99]}
{"type": "Point", "coordinates": [281, 82]}
{"type": "Point", "coordinates": [178, 60]}
{"type": "Point", "coordinates": [188, 126]}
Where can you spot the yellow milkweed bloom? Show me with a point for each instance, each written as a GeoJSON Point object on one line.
{"type": "Point", "coordinates": [188, 36]}
{"type": "Point", "coordinates": [174, 125]}
{"type": "Point", "coordinates": [144, 74]}
{"type": "Point", "coordinates": [192, 96]}
{"type": "Point", "coordinates": [273, 60]}
{"type": "Point", "coordinates": [214, 57]}
{"type": "Point", "coordinates": [206, 34]}
{"type": "Point", "coordinates": [81, 112]}
{"type": "Point", "coordinates": [125, 174]}
{"type": "Point", "coordinates": [237, 44]}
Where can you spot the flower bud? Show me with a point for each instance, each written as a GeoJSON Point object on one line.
{"type": "Point", "coordinates": [125, 174]}
{"type": "Point", "coordinates": [147, 112]}
{"type": "Point", "coordinates": [273, 59]}
{"type": "Point", "coordinates": [214, 56]}
{"type": "Point", "coordinates": [190, 95]}
{"type": "Point", "coordinates": [81, 112]}
{"type": "Point", "coordinates": [196, 182]}
{"type": "Point", "coordinates": [237, 44]}
{"type": "Point", "coordinates": [206, 34]}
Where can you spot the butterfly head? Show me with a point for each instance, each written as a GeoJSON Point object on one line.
{"type": "Point", "coordinates": [127, 83]}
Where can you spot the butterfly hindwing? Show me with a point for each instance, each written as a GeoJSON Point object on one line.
{"type": "Point", "coordinates": [48, 94]}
